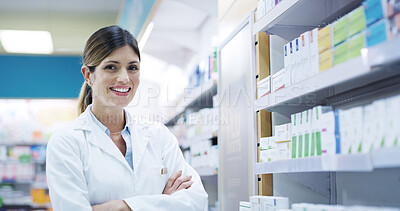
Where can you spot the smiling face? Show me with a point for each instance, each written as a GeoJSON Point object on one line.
{"type": "Point", "coordinates": [116, 79]}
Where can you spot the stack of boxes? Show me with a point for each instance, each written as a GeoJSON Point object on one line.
{"type": "Point", "coordinates": [277, 147]}
{"type": "Point", "coordinates": [264, 203]}
{"type": "Point", "coordinates": [374, 22]}
{"type": "Point", "coordinates": [326, 207]}
{"type": "Point", "coordinates": [323, 131]}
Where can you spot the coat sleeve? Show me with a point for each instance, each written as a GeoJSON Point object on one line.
{"type": "Point", "coordinates": [194, 198]}
{"type": "Point", "coordinates": [64, 172]}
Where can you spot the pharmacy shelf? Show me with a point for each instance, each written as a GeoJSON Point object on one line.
{"type": "Point", "coordinates": [356, 77]}
{"type": "Point", "coordinates": [206, 171]}
{"type": "Point", "coordinates": [290, 18]}
{"type": "Point", "coordinates": [359, 162]}
{"type": "Point", "coordinates": [200, 137]}
{"type": "Point", "coordinates": [200, 97]}
{"type": "Point", "coordinates": [386, 158]}
{"type": "Point", "coordinates": [24, 143]}
{"type": "Point", "coordinates": [379, 158]}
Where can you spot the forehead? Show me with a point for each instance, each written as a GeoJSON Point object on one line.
{"type": "Point", "coordinates": [122, 54]}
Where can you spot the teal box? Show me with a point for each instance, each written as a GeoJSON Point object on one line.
{"type": "Point", "coordinates": [377, 33]}
{"type": "Point", "coordinates": [373, 10]}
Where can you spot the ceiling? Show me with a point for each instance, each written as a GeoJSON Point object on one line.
{"type": "Point", "coordinates": [174, 39]}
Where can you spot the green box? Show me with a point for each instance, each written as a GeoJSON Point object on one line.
{"type": "Point", "coordinates": [340, 28]}
{"type": "Point", "coordinates": [356, 21]}
{"type": "Point", "coordinates": [354, 45]}
{"type": "Point", "coordinates": [340, 53]}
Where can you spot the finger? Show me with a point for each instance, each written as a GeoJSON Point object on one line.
{"type": "Point", "coordinates": [181, 180]}
{"type": "Point", "coordinates": [186, 185]}
{"type": "Point", "coordinates": [173, 177]}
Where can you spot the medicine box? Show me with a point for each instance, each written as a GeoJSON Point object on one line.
{"type": "Point", "coordinates": [264, 156]}
{"type": "Point", "coordinates": [317, 126]}
{"type": "Point", "coordinates": [325, 60]}
{"type": "Point", "coordinates": [307, 118]}
{"type": "Point", "coordinates": [264, 87]}
{"type": "Point", "coordinates": [374, 10]}
{"type": "Point", "coordinates": [314, 52]}
{"type": "Point", "coordinates": [345, 130]}
{"type": "Point", "coordinates": [264, 143]}
{"type": "Point", "coordinates": [356, 21]}
{"type": "Point", "coordinates": [244, 206]}
{"type": "Point", "coordinates": [324, 38]}
{"type": "Point", "coordinates": [392, 134]}
{"type": "Point", "coordinates": [305, 56]}
{"type": "Point", "coordinates": [259, 203]}
{"type": "Point", "coordinates": [354, 45]}
{"type": "Point", "coordinates": [377, 33]}
{"type": "Point", "coordinates": [340, 30]}
{"type": "Point", "coordinates": [380, 119]}
{"type": "Point", "coordinates": [328, 139]}
{"type": "Point", "coordinates": [296, 71]}
{"type": "Point", "coordinates": [284, 149]}
{"type": "Point", "coordinates": [340, 53]}
{"type": "Point", "coordinates": [282, 132]}
{"type": "Point", "coordinates": [369, 131]}
{"type": "Point", "coordinates": [280, 80]}
{"type": "Point", "coordinates": [260, 9]}
{"type": "Point", "coordinates": [295, 129]}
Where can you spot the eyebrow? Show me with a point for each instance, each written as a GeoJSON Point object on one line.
{"type": "Point", "coordinates": [116, 62]}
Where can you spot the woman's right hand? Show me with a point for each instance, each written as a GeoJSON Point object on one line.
{"type": "Point", "coordinates": [177, 182]}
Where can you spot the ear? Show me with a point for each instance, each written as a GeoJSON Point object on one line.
{"type": "Point", "coordinates": [86, 73]}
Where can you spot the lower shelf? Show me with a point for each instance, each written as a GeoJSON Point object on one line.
{"type": "Point", "coordinates": [381, 158]}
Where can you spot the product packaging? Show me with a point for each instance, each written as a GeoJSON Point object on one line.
{"type": "Point", "coordinates": [374, 10]}
{"type": "Point", "coordinates": [340, 54]}
{"type": "Point", "coordinates": [280, 80]}
{"type": "Point", "coordinates": [369, 131]}
{"type": "Point", "coordinates": [264, 87]}
{"type": "Point", "coordinates": [340, 30]}
{"type": "Point", "coordinates": [355, 44]}
{"type": "Point", "coordinates": [392, 134]}
{"type": "Point", "coordinates": [314, 52]}
{"type": "Point", "coordinates": [377, 33]}
{"type": "Point", "coordinates": [325, 60]}
{"type": "Point", "coordinates": [380, 120]}
{"type": "Point", "coordinates": [260, 9]}
{"type": "Point", "coordinates": [324, 38]}
{"type": "Point", "coordinates": [356, 20]}
{"type": "Point", "coordinates": [317, 127]}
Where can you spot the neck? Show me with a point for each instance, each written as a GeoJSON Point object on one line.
{"type": "Point", "coordinates": [111, 117]}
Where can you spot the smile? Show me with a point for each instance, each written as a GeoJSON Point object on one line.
{"type": "Point", "coordinates": [121, 91]}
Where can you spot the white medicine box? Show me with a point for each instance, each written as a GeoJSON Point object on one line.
{"type": "Point", "coordinates": [280, 80]}
{"type": "Point", "coordinates": [263, 87]}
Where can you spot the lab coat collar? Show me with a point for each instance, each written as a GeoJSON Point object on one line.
{"type": "Point", "coordinates": [140, 136]}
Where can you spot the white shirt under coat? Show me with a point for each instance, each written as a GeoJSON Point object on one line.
{"type": "Point", "coordinates": [84, 168]}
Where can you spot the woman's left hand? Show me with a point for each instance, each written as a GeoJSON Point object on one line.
{"type": "Point", "coordinates": [114, 205]}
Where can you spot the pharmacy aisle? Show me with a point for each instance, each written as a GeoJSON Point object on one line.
{"type": "Point", "coordinates": [25, 128]}
{"type": "Point", "coordinates": [324, 86]}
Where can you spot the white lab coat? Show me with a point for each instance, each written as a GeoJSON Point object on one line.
{"type": "Point", "coordinates": [84, 168]}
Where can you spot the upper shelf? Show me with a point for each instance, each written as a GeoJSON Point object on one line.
{"type": "Point", "coordinates": [290, 18]}
{"type": "Point", "coordinates": [201, 97]}
{"type": "Point", "coordinates": [382, 158]}
{"type": "Point", "coordinates": [342, 83]}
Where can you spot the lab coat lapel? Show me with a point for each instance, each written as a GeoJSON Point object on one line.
{"type": "Point", "coordinates": [98, 137]}
{"type": "Point", "coordinates": [140, 139]}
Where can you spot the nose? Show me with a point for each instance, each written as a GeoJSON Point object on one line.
{"type": "Point", "coordinates": [123, 76]}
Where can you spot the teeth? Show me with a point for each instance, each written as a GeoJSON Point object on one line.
{"type": "Point", "coordinates": [120, 90]}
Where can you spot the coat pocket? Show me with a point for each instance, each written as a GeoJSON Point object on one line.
{"type": "Point", "coordinates": [159, 179]}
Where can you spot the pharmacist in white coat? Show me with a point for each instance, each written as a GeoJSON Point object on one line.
{"type": "Point", "coordinates": [105, 160]}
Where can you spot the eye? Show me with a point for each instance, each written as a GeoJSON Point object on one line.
{"type": "Point", "coordinates": [110, 67]}
{"type": "Point", "coordinates": [133, 68]}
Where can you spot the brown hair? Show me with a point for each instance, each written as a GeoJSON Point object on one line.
{"type": "Point", "coordinates": [97, 48]}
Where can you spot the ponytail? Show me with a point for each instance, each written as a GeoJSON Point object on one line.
{"type": "Point", "coordinates": [85, 98]}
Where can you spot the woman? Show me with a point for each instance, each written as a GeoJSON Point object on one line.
{"type": "Point", "coordinates": [104, 160]}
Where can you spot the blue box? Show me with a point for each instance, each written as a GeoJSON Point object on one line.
{"type": "Point", "coordinates": [373, 11]}
{"type": "Point", "coordinates": [377, 33]}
